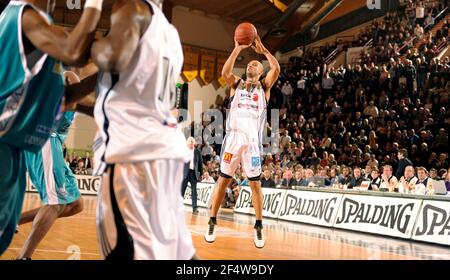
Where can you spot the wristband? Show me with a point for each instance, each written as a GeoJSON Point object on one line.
{"type": "Point", "coordinates": [96, 4]}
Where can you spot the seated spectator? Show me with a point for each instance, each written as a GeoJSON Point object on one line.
{"type": "Point", "coordinates": [357, 178]}
{"type": "Point", "coordinates": [368, 172]}
{"type": "Point", "coordinates": [376, 180]}
{"type": "Point", "coordinates": [408, 181]}
{"type": "Point", "coordinates": [288, 180]}
{"type": "Point", "coordinates": [266, 179]}
{"type": "Point", "coordinates": [434, 174]}
{"type": "Point", "coordinates": [299, 181]}
{"type": "Point", "coordinates": [334, 177]}
{"type": "Point", "coordinates": [207, 178]}
{"type": "Point", "coordinates": [388, 181]}
{"type": "Point", "coordinates": [422, 183]}
{"type": "Point", "coordinates": [277, 180]}
{"type": "Point", "coordinates": [345, 177]}
{"type": "Point", "coordinates": [80, 170]}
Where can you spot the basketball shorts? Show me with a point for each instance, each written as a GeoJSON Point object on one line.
{"type": "Point", "coordinates": [50, 174]}
{"type": "Point", "coordinates": [12, 191]}
{"type": "Point", "coordinates": [239, 148]}
{"type": "Point", "coordinates": [140, 213]}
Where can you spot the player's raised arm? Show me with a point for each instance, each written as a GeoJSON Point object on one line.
{"type": "Point", "coordinates": [227, 70]}
{"type": "Point", "coordinates": [70, 48]}
{"type": "Point", "coordinates": [274, 72]}
{"type": "Point", "coordinates": [113, 53]}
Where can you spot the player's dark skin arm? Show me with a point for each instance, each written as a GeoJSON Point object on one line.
{"type": "Point", "coordinates": [129, 19]}
{"type": "Point", "coordinates": [69, 48]}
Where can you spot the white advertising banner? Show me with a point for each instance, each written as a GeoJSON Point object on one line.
{"type": "Point", "coordinates": [318, 208]}
{"type": "Point", "coordinates": [271, 204]}
{"type": "Point", "coordinates": [204, 194]}
{"type": "Point", "coordinates": [433, 223]}
{"type": "Point", "coordinates": [375, 214]}
{"type": "Point", "coordinates": [86, 184]}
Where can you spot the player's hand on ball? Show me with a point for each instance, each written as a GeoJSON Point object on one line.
{"type": "Point", "coordinates": [259, 47]}
{"type": "Point", "coordinates": [240, 47]}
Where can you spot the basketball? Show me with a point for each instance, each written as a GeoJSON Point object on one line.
{"type": "Point", "coordinates": [245, 33]}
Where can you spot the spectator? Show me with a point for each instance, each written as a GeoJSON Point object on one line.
{"type": "Point", "coordinates": [388, 181]}
{"type": "Point", "coordinates": [368, 172]}
{"type": "Point", "coordinates": [375, 183]}
{"type": "Point", "coordinates": [408, 181]}
{"type": "Point", "coordinates": [299, 181]}
{"type": "Point", "coordinates": [207, 178]}
{"type": "Point", "coordinates": [434, 174]}
{"type": "Point", "coordinates": [345, 178]}
{"type": "Point", "coordinates": [288, 180]}
{"type": "Point", "coordinates": [357, 178]}
{"type": "Point", "coordinates": [80, 169]}
{"type": "Point", "coordinates": [287, 93]}
{"type": "Point", "coordinates": [422, 182]}
{"type": "Point", "coordinates": [402, 163]}
{"type": "Point", "coordinates": [266, 180]}
{"type": "Point", "coordinates": [334, 177]}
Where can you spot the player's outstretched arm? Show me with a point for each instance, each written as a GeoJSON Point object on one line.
{"type": "Point", "coordinates": [274, 72]}
{"type": "Point", "coordinates": [70, 48]}
{"type": "Point", "coordinates": [227, 70]}
{"type": "Point", "coordinates": [114, 52]}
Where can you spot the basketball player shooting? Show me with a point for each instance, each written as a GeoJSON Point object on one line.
{"type": "Point", "coordinates": [32, 90]}
{"type": "Point", "coordinates": [244, 130]}
{"type": "Point", "coordinates": [140, 151]}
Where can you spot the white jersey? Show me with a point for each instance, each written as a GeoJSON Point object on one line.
{"type": "Point", "coordinates": [247, 112]}
{"type": "Point", "coordinates": [133, 107]}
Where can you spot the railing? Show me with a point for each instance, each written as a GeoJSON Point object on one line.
{"type": "Point", "coordinates": [335, 52]}
{"type": "Point", "coordinates": [436, 17]}
{"type": "Point", "coordinates": [369, 43]}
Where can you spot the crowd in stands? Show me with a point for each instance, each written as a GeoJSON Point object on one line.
{"type": "Point", "coordinates": [386, 124]}
{"type": "Point", "coordinates": [79, 165]}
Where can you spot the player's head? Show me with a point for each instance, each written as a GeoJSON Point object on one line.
{"type": "Point", "coordinates": [254, 69]}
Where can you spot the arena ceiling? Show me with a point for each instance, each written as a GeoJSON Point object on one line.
{"type": "Point", "coordinates": [290, 16]}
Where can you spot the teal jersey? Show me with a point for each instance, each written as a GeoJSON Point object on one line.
{"type": "Point", "coordinates": [31, 87]}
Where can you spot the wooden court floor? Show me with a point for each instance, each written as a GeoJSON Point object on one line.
{"type": "Point", "coordinates": [75, 238]}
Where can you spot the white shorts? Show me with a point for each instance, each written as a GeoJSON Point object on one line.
{"type": "Point", "coordinates": [239, 148]}
{"type": "Point", "coordinates": [140, 213]}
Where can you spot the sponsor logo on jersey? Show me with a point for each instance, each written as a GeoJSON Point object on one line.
{"type": "Point", "coordinates": [255, 97]}
{"type": "Point", "coordinates": [256, 162]}
{"type": "Point", "coordinates": [227, 158]}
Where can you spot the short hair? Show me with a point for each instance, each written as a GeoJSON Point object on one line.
{"type": "Point", "coordinates": [374, 168]}
{"type": "Point", "coordinates": [403, 152]}
{"type": "Point", "coordinates": [387, 166]}
{"type": "Point", "coordinates": [421, 168]}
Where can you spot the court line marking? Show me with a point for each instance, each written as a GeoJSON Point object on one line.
{"type": "Point", "coordinates": [58, 251]}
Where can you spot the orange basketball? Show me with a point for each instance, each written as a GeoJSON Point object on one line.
{"type": "Point", "coordinates": [245, 33]}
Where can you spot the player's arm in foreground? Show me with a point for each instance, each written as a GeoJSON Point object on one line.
{"type": "Point", "coordinates": [70, 48]}
{"type": "Point", "coordinates": [79, 94]}
{"type": "Point", "coordinates": [274, 72]}
{"type": "Point", "coordinates": [114, 52]}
